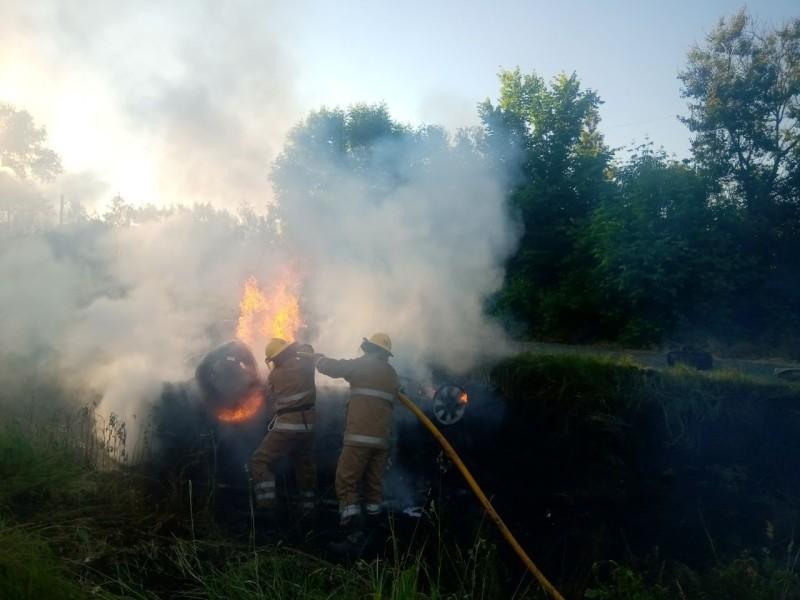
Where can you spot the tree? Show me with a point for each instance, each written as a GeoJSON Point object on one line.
{"type": "Point", "coordinates": [546, 138]}
{"type": "Point", "coordinates": [24, 158]}
{"type": "Point", "coordinates": [362, 145]}
{"type": "Point", "coordinates": [120, 213]}
{"type": "Point", "coordinates": [663, 253]}
{"type": "Point", "coordinates": [743, 87]}
{"type": "Point", "coordinates": [22, 147]}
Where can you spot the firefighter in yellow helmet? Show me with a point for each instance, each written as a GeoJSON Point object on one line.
{"type": "Point", "coordinates": [291, 393]}
{"type": "Point", "coordinates": [373, 390]}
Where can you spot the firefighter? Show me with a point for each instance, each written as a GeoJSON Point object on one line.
{"type": "Point", "coordinates": [373, 390]}
{"type": "Point", "coordinates": [292, 394]}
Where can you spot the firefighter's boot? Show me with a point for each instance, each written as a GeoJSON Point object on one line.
{"type": "Point", "coordinates": [375, 527]}
{"type": "Point", "coordinates": [265, 522]}
{"type": "Point", "coordinates": [352, 539]}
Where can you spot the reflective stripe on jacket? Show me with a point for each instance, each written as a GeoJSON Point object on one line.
{"type": "Point", "coordinates": [281, 424]}
{"type": "Point", "coordinates": [373, 388]}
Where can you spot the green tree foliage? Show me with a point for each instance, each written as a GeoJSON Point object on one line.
{"type": "Point", "coordinates": [24, 160]}
{"type": "Point", "coordinates": [22, 146]}
{"type": "Point", "coordinates": [362, 148]}
{"type": "Point", "coordinates": [663, 254]}
{"type": "Point", "coordinates": [332, 143]}
{"type": "Point", "coordinates": [743, 88]}
{"type": "Point", "coordinates": [546, 136]}
{"type": "Point", "coordinates": [652, 249]}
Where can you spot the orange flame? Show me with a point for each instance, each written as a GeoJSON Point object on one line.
{"type": "Point", "coordinates": [463, 398]}
{"type": "Point", "coordinates": [270, 312]}
{"type": "Point", "coordinates": [264, 313]}
{"type": "Point", "coordinates": [242, 412]}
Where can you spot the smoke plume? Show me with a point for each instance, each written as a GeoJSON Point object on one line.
{"type": "Point", "coordinates": [123, 309]}
{"type": "Point", "coordinates": [189, 101]}
{"type": "Point", "coordinates": [411, 242]}
{"type": "Point", "coordinates": [120, 310]}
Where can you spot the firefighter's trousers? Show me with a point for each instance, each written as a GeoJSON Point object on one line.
{"type": "Point", "coordinates": [360, 465]}
{"type": "Point", "coordinates": [298, 447]}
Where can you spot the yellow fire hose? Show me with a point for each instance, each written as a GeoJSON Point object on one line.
{"type": "Point", "coordinates": [487, 505]}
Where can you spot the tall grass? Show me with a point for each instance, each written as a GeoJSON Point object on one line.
{"type": "Point", "coordinates": [691, 464]}
{"type": "Point", "coordinates": [30, 569]}
{"type": "Point", "coordinates": [77, 522]}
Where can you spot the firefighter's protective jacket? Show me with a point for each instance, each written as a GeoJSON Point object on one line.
{"type": "Point", "coordinates": [292, 395]}
{"type": "Point", "coordinates": [373, 390]}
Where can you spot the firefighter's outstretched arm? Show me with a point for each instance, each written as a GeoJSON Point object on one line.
{"type": "Point", "coordinates": [336, 368]}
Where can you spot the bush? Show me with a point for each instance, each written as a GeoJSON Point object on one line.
{"type": "Point", "coordinates": [30, 571]}
{"type": "Point", "coordinates": [32, 474]}
{"type": "Point", "coordinates": [619, 460]}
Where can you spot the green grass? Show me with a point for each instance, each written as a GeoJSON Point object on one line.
{"type": "Point", "coordinates": [75, 522]}
{"type": "Point", "coordinates": [746, 577]}
{"type": "Point", "coordinates": [87, 518]}
{"type": "Point", "coordinates": [30, 569]}
{"type": "Point", "coordinates": [71, 530]}
{"type": "Point", "coordinates": [566, 388]}
{"type": "Point", "coordinates": [35, 475]}
{"type": "Point", "coordinates": [702, 459]}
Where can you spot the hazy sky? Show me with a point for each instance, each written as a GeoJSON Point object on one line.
{"type": "Point", "coordinates": [191, 100]}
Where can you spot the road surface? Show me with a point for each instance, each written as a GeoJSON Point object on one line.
{"type": "Point", "coordinates": [653, 359]}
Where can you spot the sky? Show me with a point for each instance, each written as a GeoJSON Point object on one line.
{"type": "Point", "coordinates": [190, 101]}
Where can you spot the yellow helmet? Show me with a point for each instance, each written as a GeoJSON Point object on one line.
{"type": "Point", "coordinates": [381, 340]}
{"type": "Point", "coordinates": [274, 347]}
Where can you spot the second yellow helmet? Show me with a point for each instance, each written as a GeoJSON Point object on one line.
{"type": "Point", "coordinates": [381, 340]}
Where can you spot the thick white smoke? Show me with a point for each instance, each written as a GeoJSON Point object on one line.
{"type": "Point", "coordinates": [207, 88]}
{"type": "Point", "coordinates": [119, 311]}
{"type": "Point", "coordinates": [416, 260]}
{"type": "Point", "coordinates": [184, 101]}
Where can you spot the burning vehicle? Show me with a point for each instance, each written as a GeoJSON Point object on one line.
{"type": "Point", "coordinates": [218, 418]}
{"type": "Point", "coordinates": [205, 429]}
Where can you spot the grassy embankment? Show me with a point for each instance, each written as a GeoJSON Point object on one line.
{"type": "Point", "coordinates": [658, 484]}
{"type": "Point", "coordinates": [671, 484]}
{"type": "Point", "coordinates": [75, 522]}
